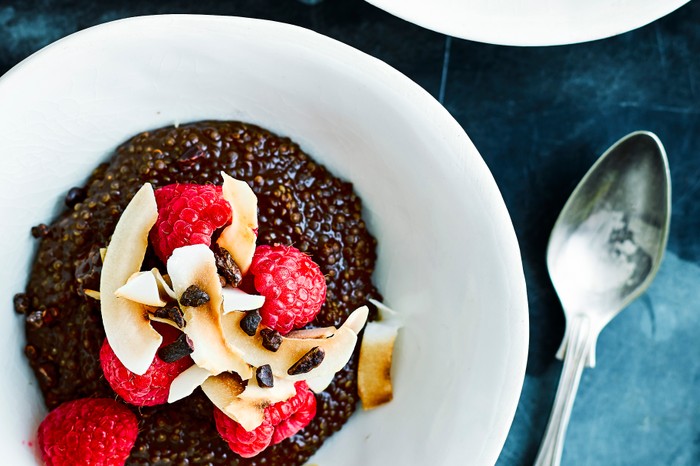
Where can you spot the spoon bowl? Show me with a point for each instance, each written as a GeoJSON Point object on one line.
{"type": "Point", "coordinates": [607, 244]}
{"type": "Point", "coordinates": [604, 251]}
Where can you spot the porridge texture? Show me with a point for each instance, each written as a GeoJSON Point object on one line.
{"type": "Point", "coordinates": [300, 203]}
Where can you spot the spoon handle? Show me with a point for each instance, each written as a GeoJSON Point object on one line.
{"type": "Point", "coordinates": [578, 342]}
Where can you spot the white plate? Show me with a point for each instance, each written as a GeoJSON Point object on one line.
{"type": "Point", "coordinates": [448, 255]}
{"type": "Point", "coordinates": [530, 22]}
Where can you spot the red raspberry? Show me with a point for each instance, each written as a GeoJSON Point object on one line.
{"type": "Point", "coordinates": [246, 444]}
{"type": "Point", "coordinates": [151, 388]}
{"type": "Point", "coordinates": [282, 420]}
{"type": "Point", "coordinates": [293, 286]}
{"type": "Point", "coordinates": [187, 214]}
{"type": "Point", "coordinates": [94, 431]}
{"type": "Point", "coordinates": [290, 416]}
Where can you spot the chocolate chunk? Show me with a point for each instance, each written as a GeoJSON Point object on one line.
{"type": "Point", "coordinates": [21, 302]}
{"type": "Point", "coordinates": [308, 361]}
{"type": "Point", "coordinates": [75, 196]}
{"type": "Point", "coordinates": [194, 296]}
{"type": "Point", "coordinates": [271, 339]}
{"type": "Point", "coordinates": [173, 313]}
{"type": "Point", "coordinates": [176, 350]}
{"type": "Point", "coordinates": [263, 374]}
{"type": "Point", "coordinates": [250, 322]}
{"type": "Point", "coordinates": [226, 266]}
{"type": "Point", "coordinates": [40, 231]}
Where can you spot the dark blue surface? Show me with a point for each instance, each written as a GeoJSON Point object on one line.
{"type": "Point", "coordinates": [540, 117]}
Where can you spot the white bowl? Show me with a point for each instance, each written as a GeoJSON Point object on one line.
{"type": "Point", "coordinates": [531, 22]}
{"type": "Point", "coordinates": [448, 255]}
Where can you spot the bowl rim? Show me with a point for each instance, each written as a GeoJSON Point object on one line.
{"type": "Point", "coordinates": [542, 28]}
{"type": "Point", "coordinates": [509, 255]}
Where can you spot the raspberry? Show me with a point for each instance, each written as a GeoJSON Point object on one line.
{"type": "Point", "coordinates": [151, 388]}
{"type": "Point", "coordinates": [187, 214]}
{"type": "Point", "coordinates": [293, 286]}
{"type": "Point", "coordinates": [282, 420]}
{"type": "Point", "coordinates": [290, 416]}
{"type": "Point", "coordinates": [246, 444]}
{"type": "Point", "coordinates": [94, 431]}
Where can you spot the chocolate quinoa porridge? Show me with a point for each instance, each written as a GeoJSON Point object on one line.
{"type": "Point", "coordinates": [300, 203]}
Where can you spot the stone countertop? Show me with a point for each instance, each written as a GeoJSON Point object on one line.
{"type": "Point", "coordinates": [540, 117]}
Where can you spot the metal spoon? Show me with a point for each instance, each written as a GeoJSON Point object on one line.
{"type": "Point", "coordinates": [604, 251]}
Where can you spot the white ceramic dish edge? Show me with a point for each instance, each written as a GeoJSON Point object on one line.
{"type": "Point", "coordinates": [530, 23]}
{"type": "Point", "coordinates": [75, 142]}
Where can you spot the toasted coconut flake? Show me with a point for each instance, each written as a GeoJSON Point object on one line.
{"type": "Point", "coordinates": [194, 265]}
{"type": "Point", "coordinates": [163, 320]}
{"type": "Point", "coordinates": [223, 389]}
{"type": "Point", "coordinates": [142, 287]}
{"type": "Point", "coordinates": [185, 383]}
{"type": "Point", "coordinates": [357, 320]}
{"type": "Point", "coordinates": [239, 237]}
{"type": "Point", "coordinates": [249, 414]}
{"type": "Point", "coordinates": [238, 300]}
{"type": "Point", "coordinates": [318, 332]}
{"type": "Point", "coordinates": [126, 323]}
{"type": "Point", "coordinates": [246, 405]}
{"type": "Point", "coordinates": [255, 394]}
{"type": "Point", "coordinates": [386, 314]}
{"type": "Point", "coordinates": [337, 348]}
{"type": "Point", "coordinates": [164, 287]}
{"type": "Point", "coordinates": [376, 354]}
{"type": "Point", "coordinates": [319, 383]}
{"type": "Point", "coordinates": [92, 294]}
{"type": "Point", "coordinates": [103, 253]}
